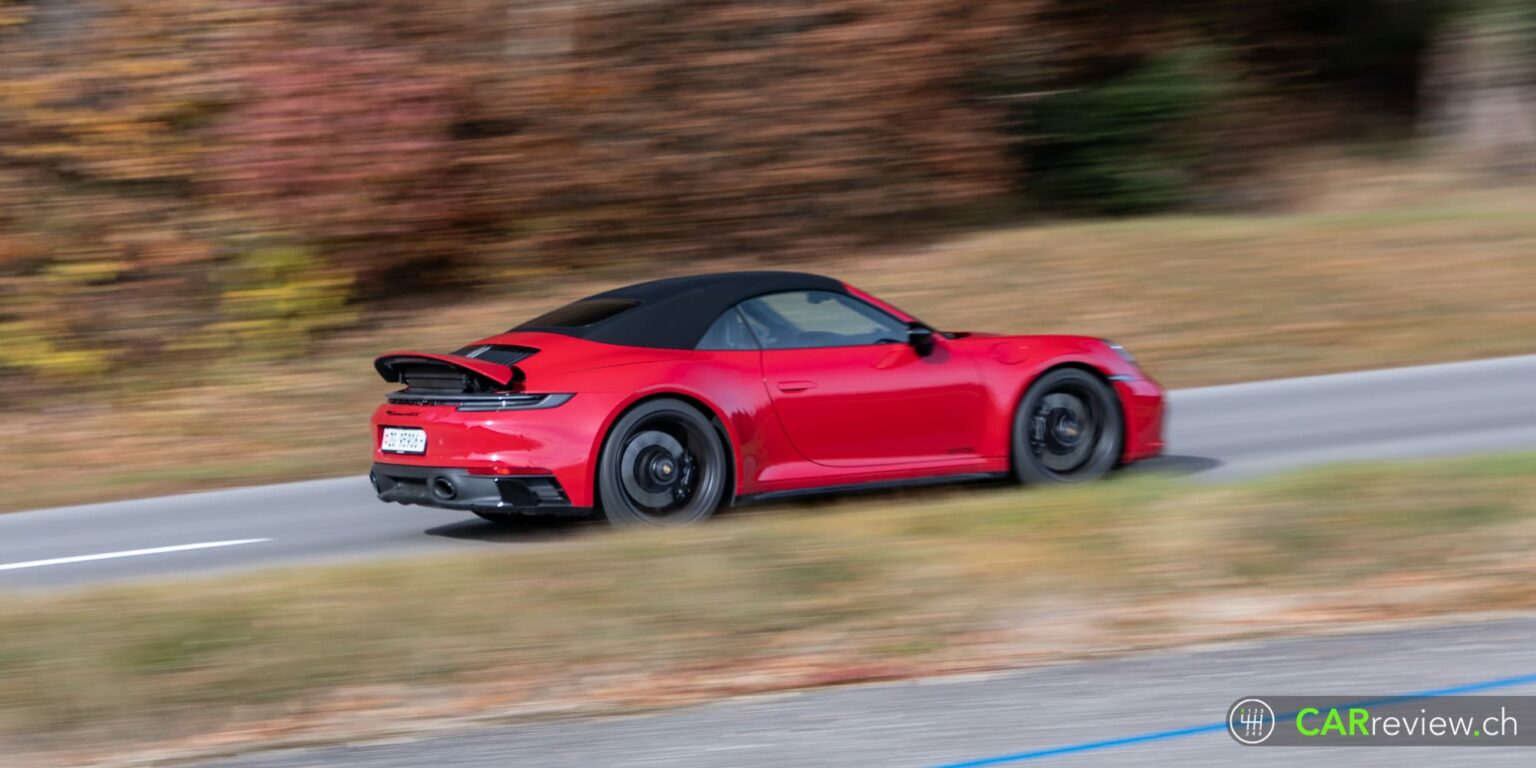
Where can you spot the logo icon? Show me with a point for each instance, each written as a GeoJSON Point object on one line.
{"type": "Point", "coordinates": [1251, 721]}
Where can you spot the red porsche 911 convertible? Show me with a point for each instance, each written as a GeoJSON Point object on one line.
{"type": "Point", "coordinates": [659, 402]}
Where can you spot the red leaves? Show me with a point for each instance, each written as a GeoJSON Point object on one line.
{"type": "Point", "coordinates": [338, 144]}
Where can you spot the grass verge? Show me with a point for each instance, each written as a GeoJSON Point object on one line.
{"type": "Point", "coordinates": [782, 598]}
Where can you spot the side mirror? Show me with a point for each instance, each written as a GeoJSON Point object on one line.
{"type": "Point", "coordinates": [922, 338]}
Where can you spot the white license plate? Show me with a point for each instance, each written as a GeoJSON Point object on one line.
{"type": "Point", "coordinates": [402, 440]}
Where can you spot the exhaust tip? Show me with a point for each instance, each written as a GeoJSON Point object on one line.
{"type": "Point", "coordinates": [443, 488]}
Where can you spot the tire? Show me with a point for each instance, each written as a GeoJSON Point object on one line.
{"type": "Point", "coordinates": [1068, 429]}
{"type": "Point", "coordinates": [663, 464]}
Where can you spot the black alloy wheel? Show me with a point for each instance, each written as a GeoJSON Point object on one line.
{"type": "Point", "coordinates": [1068, 429]}
{"type": "Point", "coordinates": [663, 464]}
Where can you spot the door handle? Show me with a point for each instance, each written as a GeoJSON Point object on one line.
{"type": "Point", "coordinates": [796, 386]}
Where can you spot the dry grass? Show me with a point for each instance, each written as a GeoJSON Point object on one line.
{"type": "Point", "coordinates": [1412, 278]}
{"type": "Point", "coordinates": [761, 601]}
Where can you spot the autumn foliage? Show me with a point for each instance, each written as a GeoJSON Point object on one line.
{"type": "Point", "coordinates": [190, 177]}
{"type": "Point", "coordinates": [179, 176]}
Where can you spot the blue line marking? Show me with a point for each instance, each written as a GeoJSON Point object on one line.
{"type": "Point", "coordinates": [1179, 733]}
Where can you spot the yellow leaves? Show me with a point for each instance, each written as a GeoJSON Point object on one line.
{"type": "Point", "coordinates": [61, 364]}
{"type": "Point", "coordinates": [290, 299]}
{"type": "Point", "coordinates": [111, 146]}
{"type": "Point", "coordinates": [154, 67]}
{"type": "Point", "coordinates": [86, 272]}
{"type": "Point", "coordinates": [111, 110]}
{"type": "Point", "coordinates": [279, 298]}
{"type": "Point", "coordinates": [13, 14]}
{"type": "Point", "coordinates": [33, 346]}
{"type": "Point", "coordinates": [19, 93]}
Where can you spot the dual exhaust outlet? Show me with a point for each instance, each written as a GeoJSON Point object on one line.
{"type": "Point", "coordinates": [441, 487]}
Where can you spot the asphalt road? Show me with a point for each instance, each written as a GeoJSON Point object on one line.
{"type": "Point", "coordinates": [1217, 433]}
{"type": "Point", "coordinates": [1153, 710]}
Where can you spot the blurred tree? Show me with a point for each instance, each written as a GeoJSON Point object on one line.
{"type": "Point", "coordinates": [343, 146]}
{"type": "Point", "coordinates": [1482, 85]}
{"type": "Point", "coordinates": [192, 176]}
{"type": "Point", "coordinates": [1123, 145]}
{"type": "Point", "coordinates": [761, 126]}
{"type": "Point", "coordinates": [1359, 56]}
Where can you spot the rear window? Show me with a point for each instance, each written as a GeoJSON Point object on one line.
{"type": "Point", "coordinates": [582, 313]}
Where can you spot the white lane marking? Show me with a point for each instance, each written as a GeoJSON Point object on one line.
{"type": "Point", "coordinates": [127, 553]}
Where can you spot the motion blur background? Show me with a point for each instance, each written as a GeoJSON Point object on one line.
{"type": "Point", "coordinates": [221, 208]}
{"type": "Point", "coordinates": [214, 213]}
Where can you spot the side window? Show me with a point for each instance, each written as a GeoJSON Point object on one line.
{"type": "Point", "coordinates": [728, 333]}
{"type": "Point", "coordinates": [809, 319]}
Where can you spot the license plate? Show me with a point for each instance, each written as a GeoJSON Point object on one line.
{"type": "Point", "coordinates": [402, 440]}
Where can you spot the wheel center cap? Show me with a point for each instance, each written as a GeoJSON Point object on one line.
{"type": "Point", "coordinates": [658, 468]}
{"type": "Point", "coordinates": [663, 469]}
{"type": "Point", "coordinates": [1067, 428]}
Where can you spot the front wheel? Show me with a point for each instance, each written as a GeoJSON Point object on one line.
{"type": "Point", "coordinates": [1067, 429]}
{"type": "Point", "coordinates": [663, 464]}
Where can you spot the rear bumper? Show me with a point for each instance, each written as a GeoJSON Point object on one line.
{"type": "Point", "coordinates": [456, 488]}
{"type": "Point", "coordinates": [559, 441]}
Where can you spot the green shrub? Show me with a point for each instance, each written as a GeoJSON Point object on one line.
{"type": "Point", "coordinates": [1122, 145]}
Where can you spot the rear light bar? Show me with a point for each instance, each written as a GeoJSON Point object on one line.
{"type": "Point", "coordinates": [501, 471]}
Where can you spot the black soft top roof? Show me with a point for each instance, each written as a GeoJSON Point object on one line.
{"type": "Point", "coordinates": [676, 312]}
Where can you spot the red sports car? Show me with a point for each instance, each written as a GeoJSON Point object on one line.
{"type": "Point", "coordinates": [659, 402]}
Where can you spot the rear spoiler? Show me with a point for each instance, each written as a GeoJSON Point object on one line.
{"type": "Point", "coordinates": [394, 366]}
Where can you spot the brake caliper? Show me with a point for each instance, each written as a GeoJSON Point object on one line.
{"type": "Point", "coordinates": [684, 486]}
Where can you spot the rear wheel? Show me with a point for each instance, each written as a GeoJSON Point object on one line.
{"type": "Point", "coordinates": [663, 464]}
{"type": "Point", "coordinates": [1067, 429]}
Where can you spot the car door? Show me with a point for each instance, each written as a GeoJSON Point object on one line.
{"type": "Point", "coordinates": [850, 391]}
